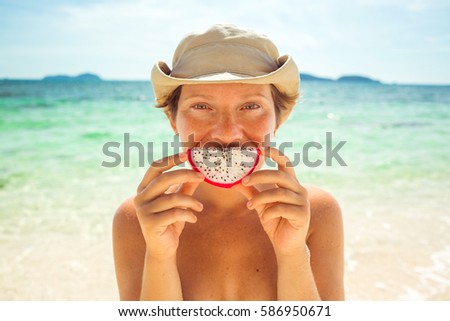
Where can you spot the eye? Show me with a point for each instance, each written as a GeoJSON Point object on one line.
{"type": "Point", "coordinates": [251, 106]}
{"type": "Point", "coordinates": [200, 106]}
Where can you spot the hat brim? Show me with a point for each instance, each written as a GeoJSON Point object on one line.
{"type": "Point", "coordinates": [286, 79]}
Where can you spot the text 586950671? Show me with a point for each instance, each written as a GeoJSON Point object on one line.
{"type": "Point", "coordinates": [295, 311]}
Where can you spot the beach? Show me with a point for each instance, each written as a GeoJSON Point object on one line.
{"type": "Point", "coordinates": [59, 189]}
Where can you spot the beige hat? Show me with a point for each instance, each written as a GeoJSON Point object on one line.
{"type": "Point", "coordinates": [227, 54]}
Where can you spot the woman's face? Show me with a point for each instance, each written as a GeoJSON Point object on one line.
{"type": "Point", "coordinates": [225, 113]}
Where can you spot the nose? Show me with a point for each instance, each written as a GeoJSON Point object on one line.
{"type": "Point", "coordinates": [226, 130]}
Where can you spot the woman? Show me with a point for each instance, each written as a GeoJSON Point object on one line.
{"type": "Point", "coordinates": [266, 238]}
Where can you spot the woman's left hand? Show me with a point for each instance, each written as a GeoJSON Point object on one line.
{"type": "Point", "coordinates": [283, 209]}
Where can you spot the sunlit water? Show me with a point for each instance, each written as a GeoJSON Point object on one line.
{"type": "Point", "coordinates": [58, 192]}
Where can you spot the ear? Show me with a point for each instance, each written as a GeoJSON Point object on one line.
{"type": "Point", "coordinates": [172, 123]}
{"type": "Point", "coordinates": [275, 130]}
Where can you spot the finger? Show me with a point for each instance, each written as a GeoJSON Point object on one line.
{"type": "Point", "coordinates": [276, 195]}
{"type": "Point", "coordinates": [296, 217]}
{"type": "Point", "coordinates": [160, 166]}
{"type": "Point", "coordinates": [188, 188]}
{"type": "Point", "coordinates": [281, 179]}
{"type": "Point", "coordinates": [248, 191]}
{"type": "Point", "coordinates": [166, 202]}
{"type": "Point", "coordinates": [161, 184]}
{"type": "Point", "coordinates": [169, 217]}
{"type": "Point", "coordinates": [175, 215]}
{"type": "Point", "coordinates": [283, 162]}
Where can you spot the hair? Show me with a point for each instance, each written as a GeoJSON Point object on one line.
{"type": "Point", "coordinates": [170, 104]}
{"type": "Point", "coordinates": [281, 101]}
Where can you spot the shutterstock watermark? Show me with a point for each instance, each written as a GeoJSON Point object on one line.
{"type": "Point", "coordinates": [311, 154]}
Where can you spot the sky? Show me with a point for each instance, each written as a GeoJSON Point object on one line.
{"type": "Point", "coordinates": [394, 41]}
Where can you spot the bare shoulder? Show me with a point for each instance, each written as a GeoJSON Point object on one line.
{"type": "Point", "coordinates": [126, 227]}
{"type": "Point", "coordinates": [129, 250]}
{"type": "Point", "coordinates": [325, 209]}
{"type": "Point", "coordinates": [326, 243]}
{"type": "Point", "coordinates": [125, 223]}
{"type": "Point", "coordinates": [126, 211]}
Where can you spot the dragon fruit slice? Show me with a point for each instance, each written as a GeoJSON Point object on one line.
{"type": "Point", "coordinates": [224, 167]}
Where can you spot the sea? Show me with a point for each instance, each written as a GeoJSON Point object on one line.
{"type": "Point", "coordinates": [71, 152]}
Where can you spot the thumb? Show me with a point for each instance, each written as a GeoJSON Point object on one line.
{"type": "Point", "coordinates": [249, 192]}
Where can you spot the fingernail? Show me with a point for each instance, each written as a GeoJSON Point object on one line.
{"type": "Point", "coordinates": [245, 180]}
{"type": "Point", "coordinates": [199, 175]}
{"type": "Point", "coordinates": [249, 205]}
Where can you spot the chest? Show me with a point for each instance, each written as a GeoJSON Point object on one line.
{"type": "Point", "coordinates": [229, 259]}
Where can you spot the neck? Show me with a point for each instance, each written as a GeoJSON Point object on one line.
{"type": "Point", "coordinates": [221, 201]}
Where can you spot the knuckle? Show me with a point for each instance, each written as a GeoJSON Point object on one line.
{"type": "Point", "coordinates": [171, 198]}
{"type": "Point", "coordinates": [174, 198]}
{"type": "Point", "coordinates": [137, 200]}
{"type": "Point", "coordinates": [303, 191]}
{"type": "Point", "coordinates": [283, 193]}
{"type": "Point", "coordinates": [292, 178]}
{"type": "Point", "coordinates": [179, 213]}
{"type": "Point", "coordinates": [163, 179]}
{"type": "Point", "coordinates": [274, 209]}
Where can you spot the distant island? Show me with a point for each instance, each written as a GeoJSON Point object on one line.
{"type": "Point", "coordinates": [87, 77]}
{"type": "Point", "coordinates": [346, 79]}
{"type": "Point", "coordinates": [358, 79]}
{"type": "Point", "coordinates": [311, 77]}
{"type": "Point", "coordinates": [90, 77]}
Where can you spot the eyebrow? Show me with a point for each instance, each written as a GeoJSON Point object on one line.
{"type": "Point", "coordinates": [256, 95]}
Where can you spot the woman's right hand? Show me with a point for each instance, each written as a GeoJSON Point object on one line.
{"type": "Point", "coordinates": [162, 214]}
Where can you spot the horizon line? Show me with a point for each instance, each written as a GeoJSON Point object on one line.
{"type": "Point", "coordinates": [320, 79]}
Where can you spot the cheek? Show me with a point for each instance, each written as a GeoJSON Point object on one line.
{"type": "Point", "coordinates": [190, 132]}
{"type": "Point", "coordinates": [262, 129]}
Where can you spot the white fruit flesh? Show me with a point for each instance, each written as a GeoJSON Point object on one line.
{"type": "Point", "coordinates": [224, 167]}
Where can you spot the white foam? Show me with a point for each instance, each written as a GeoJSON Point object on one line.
{"type": "Point", "coordinates": [435, 278]}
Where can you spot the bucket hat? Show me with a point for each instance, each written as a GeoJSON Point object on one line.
{"type": "Point", "coordinates": [227, 54]}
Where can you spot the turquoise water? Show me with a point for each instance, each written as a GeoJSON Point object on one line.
{"type": "Point", "coordinates": [57, 200]}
